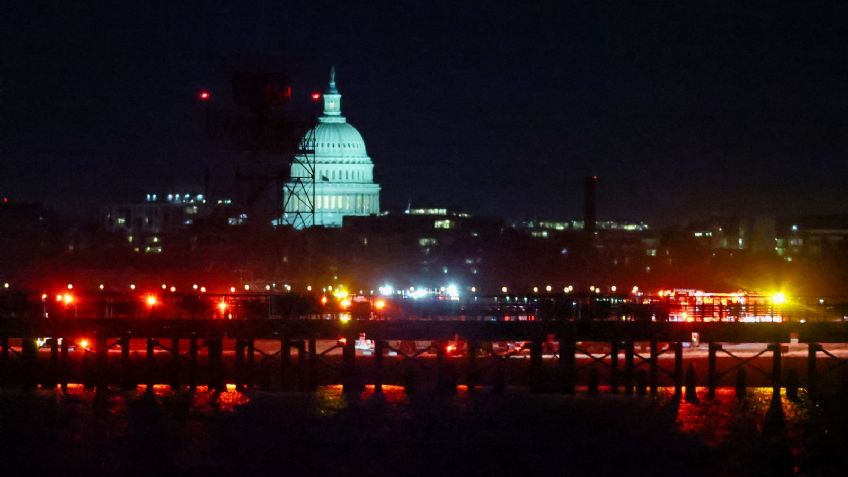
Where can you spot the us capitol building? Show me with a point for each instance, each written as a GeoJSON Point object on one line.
{"type": "Point", "coordinates": [344, 174]}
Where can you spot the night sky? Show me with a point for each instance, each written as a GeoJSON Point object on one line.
{"type": "Point", "coordinates": [682, 108]}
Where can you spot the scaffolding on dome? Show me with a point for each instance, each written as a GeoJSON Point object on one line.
{"type": "Point", "coordinates": [299, 190]}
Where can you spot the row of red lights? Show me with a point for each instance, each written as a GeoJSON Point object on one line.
{"type": "Point", "coordinates": [205, 95]}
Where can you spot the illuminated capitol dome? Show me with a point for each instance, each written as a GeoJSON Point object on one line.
{"type": "Point", "coordinates": [344, 174]}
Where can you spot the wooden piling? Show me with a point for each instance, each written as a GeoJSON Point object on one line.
{"type": "Point", "coordinates": [127, 380]}
{"type": "Point", "coordinates": [215, 349]}
{"type": "Point", "coordinates": [691, 384]}
{"type": "Point", "coordinates": [567, 362]}
{"type": "Point", "coordinates": [192, 363]}
{"type": "Point", "coordinates": [63, 371]}
{"type": "Point", "coordinates": [312, 365]}
{"type": "Point", "coordinates": [150, 368]}
{"type": "Point", "coordinates": [654, 366]}
{"type": "Point", "coordinates": [536, 381]}
{"type": "Point", "coordinates": [741, 383]}
{"type": "Point", "coordinates": [102, 352]}
{"type": "Point", "coordinates": [712, 375]}
{"type": "Point", "coordinates": [239, 359]}
{"type": "Point", "coordinates": [29, 364]}
{"type": "Point", "coordinates": [285, 362]}
{"type": "Point", "coordinates": [678, 370]}
{"type": "Point", "coordinates": [251, 362]}
{"type": "Point", "coordinates": [776, 369]}
{"type": "Point", "coordinates": [628, 368]}
{"type": "Point", "coordinates": [176, 385]}
{"type": "Point", "coordinates": [53, 379]}
{"type": "Point", "coordinates": [614, 367]}
{"type": "Point", "coordinates": [812, 350]}
{"type": "Point", "coordinates": [350, 378]}
{"type": "Point", "coordinates": [471, 353]}
{"type": "Point", "coordinates": [379, 349]}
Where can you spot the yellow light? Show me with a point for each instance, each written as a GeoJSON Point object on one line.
{"type": "Point", "coordinates": [345, 304]}
{"type": "Point", "coordinates": [222, 306]}
{"type": "Point", "coordinates": [83, 344]}
{"type": "Point", "coordinates": [202, 289]}
{"type": "Point", "coordinates": [344, 317]}
{"type": "Point", "coordinates": [535, 289]}
{"type": "Point", "coordinates": [247, 288]}
{"type": "Point", "coordinates": [340, 293]}
{"type": "Point", "coordinates": [309, 288]}
{"type": "Point", "coordinates": [68, 298]}
{"type": "Point", "coordinates": [59, 297]}
{"type": "Point", "coordinates": [380, 304]}
{"type": "Point", "coordinates": [778, 298]}
{"type": "Point", "coordinates": [548, 288]}
{"type": "Point", "coordinates": [323, 300]}
{"type": "Point", "coordinates": [151, 300]}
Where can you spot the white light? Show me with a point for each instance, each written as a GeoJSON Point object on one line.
{"type": "Point", "coordinates": [132, 286]}
{"type": "Point", "coordinates": [247, 288]}
{"type": "Point", "coordinates": [452, 291]}
{"type": "Point", "coordinates": [473, 289]}
{"type": "Point", "coordinates": [101, 286]}
{"type": "Point", "coordinates": [386, 290]}
{"type": "Point", "coordinates": [548, 288]}
{"type": "Point", "coordinates": [613, 288]}
{"type": "Point", "coordinates": [420, 293]}
{"type": "Point", "coordinates": [6, 285]}
{"type": "Point", "coordinates": [70, 286]}
{"type": "Point", "coordinates": [504, 289]}
{"type": "Point", "coordinates": [535, 289]}
{"type": "Point", "coordinates": [267, 287]}
{"type": "Point", "coordinates": [194, 286]}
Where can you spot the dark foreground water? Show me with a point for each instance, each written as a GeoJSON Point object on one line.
{"type": "Point", "coordinates": [331, 434]}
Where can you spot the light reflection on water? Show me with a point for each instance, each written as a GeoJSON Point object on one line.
{"type": "Point", "coordinates": [719, 424]}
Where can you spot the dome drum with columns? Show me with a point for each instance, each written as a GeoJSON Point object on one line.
{"type": "Point", "coordinates": [344, 174]}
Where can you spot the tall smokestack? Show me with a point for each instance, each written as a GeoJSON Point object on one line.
{"type": "Point", "coordinates": [589, 205]}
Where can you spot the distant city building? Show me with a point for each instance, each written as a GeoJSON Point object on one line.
{"type": "Point", "coordinates": [145, 224]}
{"type": "Point", "coordinates": [812, 237]}
{"type": "Point", "coordinates": [548, 228]}
{"type": "Point", "coordinates": [344, 174]}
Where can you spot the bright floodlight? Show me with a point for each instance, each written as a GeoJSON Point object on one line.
{"type": "Point", "coordinates": [151, 300]}
{"type": "Point", "coordinates": [778, 298]}
{"type": "Point", "coordinates": [452, 291]}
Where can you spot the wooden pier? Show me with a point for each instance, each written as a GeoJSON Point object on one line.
{"type": "Point", "coordinates": [469, 357]}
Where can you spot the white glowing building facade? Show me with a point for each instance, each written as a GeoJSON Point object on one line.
{"type": "Point", "coordinates": [344, 174]}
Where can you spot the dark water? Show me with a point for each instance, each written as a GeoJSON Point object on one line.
{"type": "Point", "coordinates": [163, 433]}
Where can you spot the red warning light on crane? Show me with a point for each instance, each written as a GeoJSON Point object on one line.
{"type": "Point", "coordinates": [315, 96]}
{"type": "Point", "coordinates": [204, 95]}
